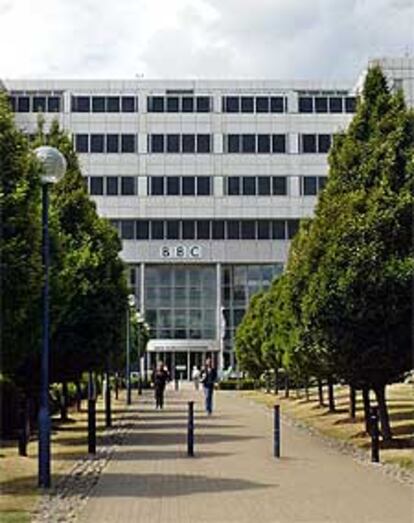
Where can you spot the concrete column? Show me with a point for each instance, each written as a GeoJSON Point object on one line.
{"type": "Point", "coordinates": [188, 366]}
{"type": "Point", "coordinates": [219, 319]}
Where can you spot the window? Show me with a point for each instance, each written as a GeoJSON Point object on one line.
{"type": "Point", "coordinates": [203, 229]}
{"type": "Point", "coordinates": [233, 185]}
{"type": "Point", "coordinates": [263, 230]}
{"type": "Point", "coordinates": [335, 104]}
{"type": "Point", "coordinates": [308, 143]}
{"type": "Point", "coordinates": [128, 104]}
{"type": "Point", "coordinates": [263, 185]}
{"type": "Point", "coordinates": [279, 185]}
{"type": "Point", "coordinates": [173, 143]}
{"type": "Point", "coordinates": [172, 104]}
{"type": "Point", "coordinates": [263, 143]}
{"type": "Point", "coordinates": [278, 230]}
{"type": "Point", "coordinates": [173, 230]}
{"type": "Point", "coordinates": [157, 230]}
{"type": "Point", "coordinates": [231, 104]}
{"type": "Point", "coordinates": [96, 185]}
{"type": "Point", "coordinates": [81, 104]}
{"type": "Point", "coordinates": [279, 143]}
{"type": "Point", "coordinates": [233, 143]}
{"type": "Point", "coordinates": [293, 227]}
{"type": "Point", "coordinates": [187, 104]}
{"type": "Point", "coordinates": [157, 185]}
{"type": "Point", "coordinates": [98, 104]}
{"type": "Point", "coordinates": [203, 143]}
{"type": "Point", "coordinates": [127, 229]}
{"type": "Point", "coordinates": [173, 185]}
{"type": "Point", "coordinates": [127, 185]}
{"type": "Point", "coordinates": [203, 185]}
{"type": "Point", "coordinates": [262, 104]}
{"type": "Point", "coordinates": [112, 185]}
{"type": "Point", "coordinates": [157, 143]}
{"type": "Point", "coordinates": [53, 104]}
{"type": "Point", "coordinates": [188, 185]}
{"type": "Point", "coordinates": [142, 230]}
{"type": "Point", "coordinates": [305, 104]}
{"type": "Point", "coordinates": [249, 185]}
{"type": "Point", "coordinates": [97, 143]}
{"type": "Point", "coordinates": [155, 104]}
{"type": "Point", "coordinates": [128, 143]}
{"type": "Point", "coordinates": [218, 230]}
{"type": "Point", "coordinates": [248, 230]}
{"type": "Point", "coordinates": [188, 229]}
{"type": "Point", "coordinates": [112, 104]}
{"type": "Point", "coordinates": [82, 143]}
{"type": "Point", "coordinates": [112, 143]}
{"type": "Point", "coordinates": [188, 143]}
{"type": "Point", "coordinates": [321, 104]}
{"type": "Point", "coordinates": [277, 104]}
{"type": "Point", "coordinates": [233, 230]}
{"type": "Point", "coordinates": [247, 104]}
{"type": "Point", "coordinates": [310, 185]}
{"type": "Point", "coordinates": [23, 104]}
{"type": "Point", "coordinates": [248, 143]}
{"type": "Point", "coordinates": [203, 104]}
{"type": "Point", "coordinates": [350, 104]}
{"type": "Point", "coordinates": [324, 143]}
{"type": "Point", "coordinates": [39, 104]}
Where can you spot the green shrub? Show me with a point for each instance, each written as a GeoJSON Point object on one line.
{"type": "Point", "coordinates": [243, 384]}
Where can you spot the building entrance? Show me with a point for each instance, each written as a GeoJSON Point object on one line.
{"type": "Point", "coordinates": [180, 363]}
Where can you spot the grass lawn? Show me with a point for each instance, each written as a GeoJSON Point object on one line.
{"type": "Point", "coordinates": [400, 399]}
{"type": "Point", "coordinates": [18, 475]}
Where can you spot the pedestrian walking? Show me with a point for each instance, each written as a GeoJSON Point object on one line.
{"type": "Point", "coordinates": [159, 379]}
{"type": "Point", "coordinates": [208, 379]}
{"type": "Point", "coordinates": [195, 376]}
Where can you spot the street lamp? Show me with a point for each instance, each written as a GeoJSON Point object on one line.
{"type": "Point", "coordinates": [53, 167]}
{"type": "Point", "coordinates": [131, 303]}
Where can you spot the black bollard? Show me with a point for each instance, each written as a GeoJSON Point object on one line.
{"type": "Point", "coordinates": [373, 425]}
{"type": "Point", "coordinates": [140, 386]}
{"type": "Point", "coordinates": [108, 409]}
{"type": "Point", "coordinates": [176, 385]}
{"type": "Point", "coordinates": [190, 429]}
{"type": "Point", "coordinates": [276, 432]}
{"type": "Point", "coordinates": [91, 416]}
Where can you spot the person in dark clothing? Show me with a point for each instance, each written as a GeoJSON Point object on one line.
{"type": "Point", "coordinates": [208, 379]}
{"type": "Point", "coordinates": [159, 379]}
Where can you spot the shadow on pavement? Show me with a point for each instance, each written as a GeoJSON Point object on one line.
{"type": "Point", "coordinates": [150, 455]}
{"type": "Point", "coordinates": [157, 438]}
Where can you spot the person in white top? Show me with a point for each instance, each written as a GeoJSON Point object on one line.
{"type": "Point", "coordinates": [195, 376]}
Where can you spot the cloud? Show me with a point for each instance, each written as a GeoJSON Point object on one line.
{"type": "Point", "coordinates": [200, 38]}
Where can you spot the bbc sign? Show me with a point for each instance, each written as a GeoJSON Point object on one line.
{"type": "Point", "coordinates": [181, 252]}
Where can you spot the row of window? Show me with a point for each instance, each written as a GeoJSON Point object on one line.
{"type": "Point", "coordinates": [179, 143]}
{"type": "Point", "coordinates": [255, 143]}
{"type": "Point", "coordinates": [327, 104]}
{"type": "Point", "coordinates": [104, 104]}
{"type": "Point", "coordinates": [256, 185]}
{"type": "Point", "coordinates": [36, 103]}
{"type": "Point", "coordinates": [315, 143]}
{"type": "Point", "coordinates": [112, 185]}
{"type": "Point", "coordinates": [254, 104]}
{"type": "Point", "coordinates": [106, 143]}
{"type": "Point", "coordinates": [179, 185]}
{"type": "Point", "coordinates": [179, 104]}
{"type": "Point", "coordinates": [206, 229]}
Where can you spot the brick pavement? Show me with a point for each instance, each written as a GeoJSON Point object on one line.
{"type": "Point", "coordinates": [233, 477]}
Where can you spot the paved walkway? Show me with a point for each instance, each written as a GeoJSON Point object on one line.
{"type": "Point", "coordinates": [234, 477]}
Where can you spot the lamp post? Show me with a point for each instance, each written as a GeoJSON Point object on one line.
{"type": "Point", "coordinates": [131, 303]}
{"type": "Point", "coordinates": [54, 167]}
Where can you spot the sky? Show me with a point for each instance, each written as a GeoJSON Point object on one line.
{"type": "Point", "coordinates": [286, 39]}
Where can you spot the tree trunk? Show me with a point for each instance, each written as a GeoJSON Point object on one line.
{"type": "Point", "coordinates": [287, 390]}
{"type": "Point", "coordinates": [24, 433]}
{"type": "Point", "coordinates": [365, 399]}
{"type": "Point", "coordinates": [64, 401]}
{"type": "Point", "coordinates": [383, 413]}
{"type": "Point", "coordinates": [320, 393]}
{"type": "Point", "coordinates": [78, 396]}
{"type": "Point", "coordinates": [352, 402]}
{"type": "Point", "coordinates": [116, 386]}
{"type": "Point", "coordinates": [331, 396]}
{"type": "Point", "coordinates": [276, 384]}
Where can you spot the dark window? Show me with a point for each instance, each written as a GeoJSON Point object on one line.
{"type": "Point", "coordinates": [263, 230]}
{"type": "Point", "coordinates": [173, 229]}
{"type": "Point", "coordinates": [112, 143]}
{"type": "Point", "coordinates": [155, 104]}
{"type": "Point", "coordinates": [112, 185]}
{"type": "Point", "coordinates": [233, 230]}
{"type": "Point", "coordinates": [279, 185]}
{"type": "Point", "coordinates": [173, 185]}
{"type": "Point", "coordinates": [263, 185]}
{"type": "Point", "coordinates": [203, 185]}
{"type": "Point", "coordinates": [350, 104]}
{"type": "Point", "coordinates": [127, 185]}
{"type": "Point", "coordinates": [249, 185]}
{"type": "Point", "coordinates": [53, 104]}
{"type": "Point", "coordinates": [188, 229]}
{"type": "Point", "coordinates": [277, 104]}
{"type": "Point", "coordinates": [112, 104]}
{"type": "Point", "coordinates": [203, 143]}
{"type": "Point", "coordinates": [97, 143]}
{"type": "Point", "coordinates": [335, 104]}
{"type": "Point", "coordinates": [262, 104]}
{"type": "Point", "coordinates": [233, 143]}
{"type": "Point", "coordinates": [187, 104]}
{"type": "Point", "coordinates": [310, 185]}
{"type": "Point", "coordinates": [203, 229]}
{"type": "Point", "coordinates": [322, 182]}
{"type": "Point", "coordinates": [233, 185]}
{"type": "Point", "coordinates": [247, 104]}
{"type": "Point", "coordinates": [157, 229]}
{"type": "Point", "coordinates": [23, 104]}
{"type": "Point", "coordinates": [218, 230]}
{"type": "Point", "coordinates": [203, 104]}
{"type": "Point", "coordinates": [173, 143]}
{"type": "Point", "coordinates": [188, 145]}
{"type": "Point", "coordinates": [321, 104]}
{"type": "Point", "coordinates": [12, 102]}
{"type": "Point", "coordinates": [157, 185]}
{"type": "Point", "coordinates": [128, 143]}
{"type": "Point", "coordinates": [305, 104]}
{"type": "Point", "coordinates": [82, 143]}
{"type": "Point", "coordinates": [128, 104]}
{"type": "Point", "coordinates": [142, 232]}
{"type": "Point", "coordinates": [279, 143]}
{"type": "Point", "coordinates": [308, 143]}
{"type": "Point", "coordinates": [248, 230]}
{"type": "Point", "coordinates": [293, 227]}
{"type": "Point", "coordinates": [278, 230]}
{"type": "Point", "coordinates": [127, 229]}
{"type": "Point", "coordinates": [188, 185]}
{"type": "Point", "coordinates": [231, 104]}
{"type": "Point", "coordinates": [172, 104]}
{"type": "Point", "coordinates": [263, 143]}
{"type": "Point", "coordinates": [248, 143]}
{"type": "Point", "coordinates": [81, 104]}
{"type": "Point", "coordinates": [157, 143]}
{"type": "Point", "coordinates": [98, 104]}
{"type": "Point", "coordinates": [324, 143]}
{"type": "Point", "coordinates": [39, 104]}
{"type": "Point", "coordinates": [96, 185]}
